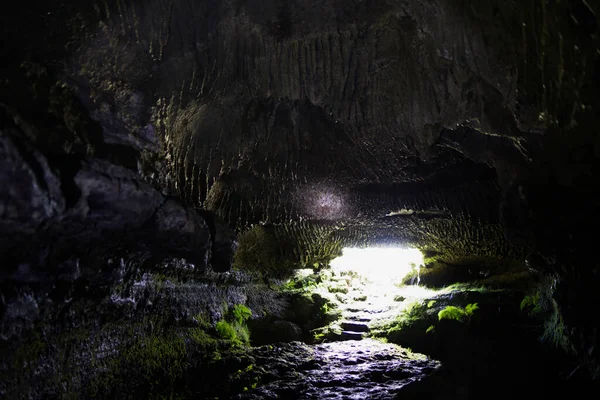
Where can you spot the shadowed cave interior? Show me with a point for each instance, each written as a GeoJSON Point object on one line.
{"type": "Point", "coordinates": [311, 199]}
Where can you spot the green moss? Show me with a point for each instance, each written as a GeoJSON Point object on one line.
{"type": "Point", "coordinates": [27, 355]}
{"type": "Point", "coordinates": [531, 303]}
{"type": "Point", "coordinates": [430, 329]}
{"type": "Point", "coordinates": [246, 378]}
{"type": "Point", "coordinates": [338, 289]}
{"type": "Point", "coordinates": [201, 338]}
{"type": "Point", "coordinates": [158, 355]}
{"type": "Point", "coordinates": [471, 308]}
{"type": "Point", "coordinates": [414, 314]}
{"type": "Point", "coordinates": [243, 334]}
{"type": "Point", "coordinates": [261, 249]}
{"type": "Point", "coordinates": [241, 313]}
{"type": "Point", "coordinates": [150, 366]}
{"type": "Point", "coordinates": [331, 332]}
{"type": "Point", "coordinates": [555, 331]}
{"type": "Point", "coordinates": [541, 306]}
{"type": "Point", "coordinates": [225, 330]}
{"type": "Point", "coordinates": [233, 328]}
{"type": "Point", "coordinates": [469, 287]}
{"type": "Point", "coordinates": [304, 284]}
{"type": "Point", "coordinates": [452, 312]}
{"type": "Point", "coordinates": [202, 320]}
{"type": "Point", "coordinates": [458, 313]}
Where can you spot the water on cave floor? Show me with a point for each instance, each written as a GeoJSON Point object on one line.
{"type": "Point", "coordinates": [365, 369]}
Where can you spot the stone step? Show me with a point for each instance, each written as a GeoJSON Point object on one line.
{"type": "Point", "coordinates": [359, 318]}
{"type": "Point", "coordinates": [351, 335]}
{"type": "Point", "coordinates": [354, 326]}
{"type": "Point", "coordinates": [373, 312]}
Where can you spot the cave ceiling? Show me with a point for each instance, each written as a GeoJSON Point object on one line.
{"type": "Point", "coordinates": [347, 111]}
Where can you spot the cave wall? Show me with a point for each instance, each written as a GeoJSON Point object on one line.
{"type": "Point", "coordinates": [267, 107]}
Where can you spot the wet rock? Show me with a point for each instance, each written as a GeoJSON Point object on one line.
{"type": "Point", "coordinates": [357, 369]}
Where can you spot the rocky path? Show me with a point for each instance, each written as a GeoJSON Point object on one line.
{"type": "Point", "coordinates": [364, 307]}
{"type": "Point", "coordinates": [365, 369]}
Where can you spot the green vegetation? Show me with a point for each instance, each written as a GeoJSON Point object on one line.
{"type": "Point", "coordinates": [262, 250]}
{"type": "Point", "coordinates": [29, 352]}
{"type": "Point", "coordinates": [145, 357]}
{"type": "Point", "coordinates": [327, 332]}
{"type": "Point", "coordinates": [431, 328]}
{"type": "Point", "coordinates": [277, 250]}
{"type": "Point", "coordinates": [531, 303]}
{"type": "Point", "coordinates": [156, 363]}
{"type": "Point", "coordinates": [469, 287]}
{"type": "Point", "coordinates": [303, 284]}
{"type": "Point", "coordinates": [201, 338]}
{"type": "Point", "coordinates": [413, 316]}
{"type": "Point", "coordinates": [241, 313]}
{"type": "Point", "coordinates": [150, 366]}
{"type": "Point", "coordinates": [555, 332]}
{"type": "Point", "coordinates": [458, 313]}
{"type": "Point", "coordinates": [233, 328]}
{"type": "Point", "coordinates": [451, 312]}
{"type": "Point", "coordinates": [225, 330]}
{"type": "Point", "coordinates": [247, 378]}
{"type": "Point", "coordinates": [158, 358]}
{"type": "Point", "coordinates": [202, 320]}
{"type": "Point", "coordinates": [338, 289]}
{"type": "Point", "coordinates": [414, 312]}
{"type": "Point", "coordinates": [540, 304]}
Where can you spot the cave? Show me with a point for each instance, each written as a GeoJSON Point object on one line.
{"type": "Point", "coordinates": [299, 199]}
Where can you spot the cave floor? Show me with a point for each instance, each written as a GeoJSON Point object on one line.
{"type": "Point", "coordinates": [365, 369]}
{"type": "Point", "coordinates": [388, 342]}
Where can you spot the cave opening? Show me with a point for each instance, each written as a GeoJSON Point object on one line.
{"type": "Point", "coordinates": [365, 289]}
{"type": "Point", "coordinates": [299, 199]}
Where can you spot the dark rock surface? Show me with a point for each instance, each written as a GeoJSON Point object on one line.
{"type": "Point", "coordinates": [77, 203]}
{"type": "Point", "coordinates": [500, 342]}
{"type": "Point", "coordinates": [341, 370]}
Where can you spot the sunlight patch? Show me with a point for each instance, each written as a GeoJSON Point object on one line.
{"type": "Point", "coordinates": [380, 265]}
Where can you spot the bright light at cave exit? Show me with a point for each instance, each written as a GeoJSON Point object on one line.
{"type": "Point", "coordinates": [382, 266]}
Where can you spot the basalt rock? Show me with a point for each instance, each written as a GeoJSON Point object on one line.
{"type": "Point", "coordinates": [70, 204]}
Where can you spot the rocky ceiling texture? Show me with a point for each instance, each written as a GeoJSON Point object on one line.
{"type": "Point", "coordinates": [161, 128]}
